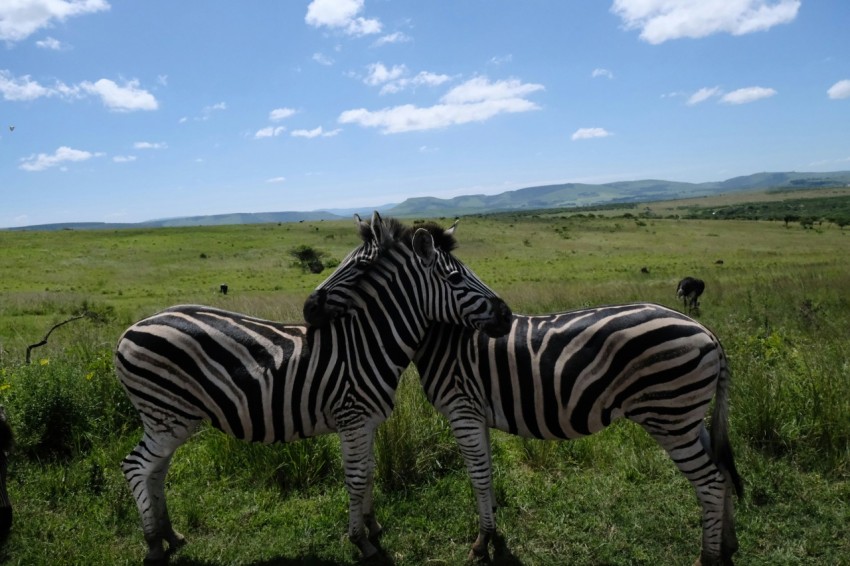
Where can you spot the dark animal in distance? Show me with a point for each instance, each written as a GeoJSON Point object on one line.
{"type": "Point", "coordinates": [689, 290]}
{"type": "Point", "coordinates": [223, 288]}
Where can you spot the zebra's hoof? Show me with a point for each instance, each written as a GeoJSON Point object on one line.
{"type": "Point", "coordinates": [175, 541]}
{"type": "Point", "coordinates": [478, 556]}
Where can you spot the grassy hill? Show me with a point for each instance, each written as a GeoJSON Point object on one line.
{"type": "Point", "coordinates": [578, 194]}
{"type": "Point", "coordinates": [567, 195]}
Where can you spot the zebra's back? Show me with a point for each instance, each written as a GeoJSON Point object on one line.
{"type": "Point", "coordinates": [248, 376]}
{"type": "Point", "coordinates": [570, 374]}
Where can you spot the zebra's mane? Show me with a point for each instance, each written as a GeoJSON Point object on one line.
{"type": "Point", "coordinates": [398, 232]}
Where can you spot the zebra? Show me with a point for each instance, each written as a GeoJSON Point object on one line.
{"type": "Point", "coordinates": [263, 381]}
{"type": "Point", "coordinates": [569, 375]}
{"type": "Point", "coordinates": [689, 290]}
{"type": "Point", "coordinates": [6, 441]}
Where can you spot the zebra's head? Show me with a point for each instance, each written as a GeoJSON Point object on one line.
{"type": "Point", "coordinates": [418, 261]}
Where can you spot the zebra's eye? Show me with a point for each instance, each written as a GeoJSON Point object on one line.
{"type": "Point", "coordinates": [454, 278]}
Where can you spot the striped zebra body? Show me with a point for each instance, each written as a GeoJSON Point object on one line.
{"type": "Point", "coordinates": [569, 375]}
{"type": "Point", "coordinates": [263, 381]}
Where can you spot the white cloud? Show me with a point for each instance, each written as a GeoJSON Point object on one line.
{"type": "Point", "coordinates": [703, 94]}
{"type": "Point", "coordinates": [51, 44]}
{"type": "Point", "coordinates": [481, 89]}
{"type": "Point", "coordinates": [22, 88]}
{"type": "Point", "coordinates": [276, 180]}
{"type": "Point", "coordinates": [501, 60]}
{"type": "Point", "coordinates": [207, 111]}
{"type": "Point", "coordinates": [279, 114]}
{"type": "Point", "coordinates": [476, 100]}
{"type": "Point", "coordinates": [315, 133]}
{"type": "Point", "coordinates": [44, 161]}
{"type": "Point", "coordinates": [341, 15]}
{"type": "Point", "coordinates": [748, 94]}
{"type": "Point", "coordinates": [269, 132]}
{"type": "Point", "coordinates": [322, 59]}
{"type": "Point", "coordinates": [590, 133]}
{"type": "Point", "coordinates": [663, 20]}
{"type": "Point", "coordinates": [20, 19]}
{"type": "Point", "coordinates": [602, 73]}
{"type": "Point", "coordinates": [125, 98]}
{"type": "Point", "coordinates": [124, 158]}
{"type": "Point", "coordinates": [150, 145]}
{"type": "Point", "coordinates": [396, 37]}
{"type": "Point", "coordinates": [378, 73]}
{"type": "Point", "coordinates": [393, 79]}
{"type": "Point", "coordinates": [841, 89]}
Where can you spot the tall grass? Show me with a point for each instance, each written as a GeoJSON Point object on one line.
{"type": "Point", "coordinates": [778, 303]}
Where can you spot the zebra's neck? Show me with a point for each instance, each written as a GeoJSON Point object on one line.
{"type": "Point", "coordinates": [389, 304]}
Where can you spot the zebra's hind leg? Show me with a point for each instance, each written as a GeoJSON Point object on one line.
{"type": "Point", "coordinates": [690, 453]}
{"type": "Point", "coordinates": [145, 469]}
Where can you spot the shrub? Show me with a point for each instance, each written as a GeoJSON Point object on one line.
{"type": "Point", "coordinates": [61, 408]}
{"type": "Point", "coordinates": [308, 259]}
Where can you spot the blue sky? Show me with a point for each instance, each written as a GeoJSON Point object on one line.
{"type": "Point", "coordinates": [126, 111]}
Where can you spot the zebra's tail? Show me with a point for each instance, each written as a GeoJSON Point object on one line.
{"type": "Point", "coordinates": [721, 448]}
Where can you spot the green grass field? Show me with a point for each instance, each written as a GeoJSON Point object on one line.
{"type": "Point", "coordinates": [778, 301]}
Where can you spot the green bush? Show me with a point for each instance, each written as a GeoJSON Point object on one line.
{"type": "Point", "coordinates": [60, 408]}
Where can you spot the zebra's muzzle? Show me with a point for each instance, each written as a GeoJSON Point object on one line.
{"type": "Point", "coordinates": [317, 311]}
{"type": "Point", "coordinates": [500, 323]}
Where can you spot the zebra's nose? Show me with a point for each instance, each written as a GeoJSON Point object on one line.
{"type": "Point", "coordinates": [315, 311]}
{"type": "Point", "coordinates": [501, 321]}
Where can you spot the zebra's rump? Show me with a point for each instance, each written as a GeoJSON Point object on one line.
{"type": "Point", "coordinates": [246, 375]}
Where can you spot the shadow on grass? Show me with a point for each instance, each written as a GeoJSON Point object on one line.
{"type": "Point", "coordinates": [282, 561]}
{"type": "Point", "coordinates": [502, 555]}
{"type": "Point", "coordinates": [381, 559]}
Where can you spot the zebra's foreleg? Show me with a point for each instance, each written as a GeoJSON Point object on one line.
{"type": "Point", "coordinates": [473, 439]}
{"type": "Point", "coordinates": [374, 527]}
{"type": "Point", "coordinates": [358, 463]}
{"type": "Point", "coordinates": [145, 469]}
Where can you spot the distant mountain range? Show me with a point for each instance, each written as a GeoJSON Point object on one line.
{"type": "Point", "coordinates": [531, 198]}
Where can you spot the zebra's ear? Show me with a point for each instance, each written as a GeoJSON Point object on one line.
{"type": "Point", "coordinates": [379, 230]}
{"type": "Point", "coordinates": [363, 227]}
{"type": "Point", "coordinates": [423, 247]}
{"type": "Point", "coordinates": [451, 231]}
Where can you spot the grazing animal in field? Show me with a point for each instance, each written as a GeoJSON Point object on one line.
{"type": "Point", "coordinates": [263, 381]}
{"type": "Point", "coordinates": [689, 290]}
{"type": "Point", "coordinates": [6, 441]}
{"type": "Point", "coordinates": [222, 288]}
{"type": "Point", "coordinates": [644, 270]}
{"type": "Point", "coordinates": [569, 375]}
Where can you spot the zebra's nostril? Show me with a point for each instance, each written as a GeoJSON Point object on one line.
{"type": "Point", "coordinates": [315, 312]}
